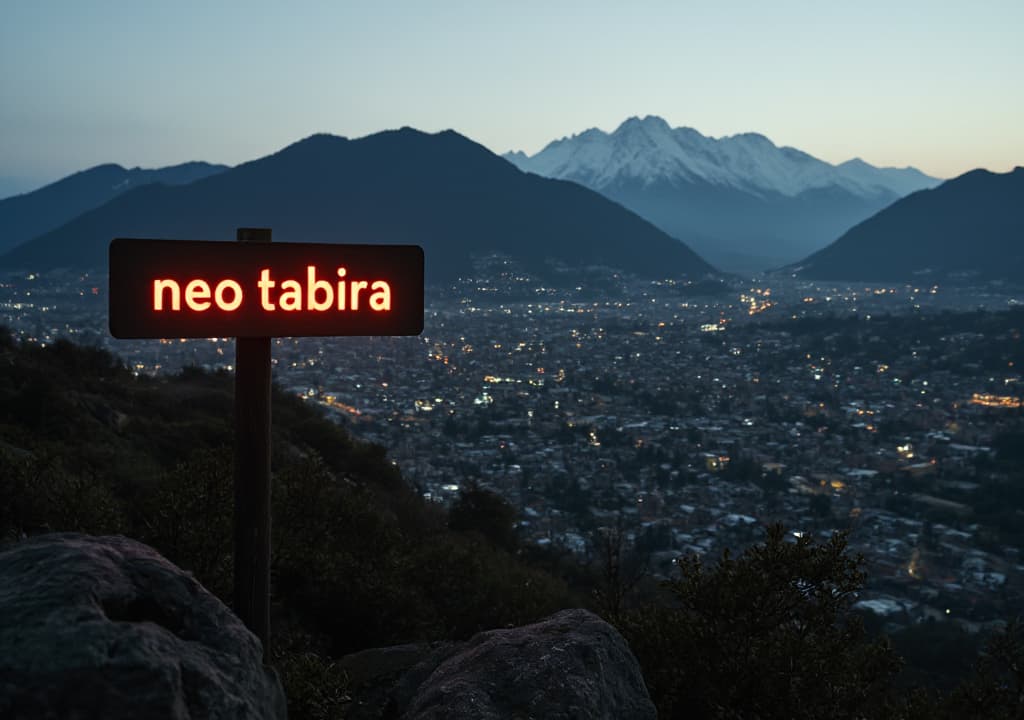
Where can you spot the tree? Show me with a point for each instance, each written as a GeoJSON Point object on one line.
{"type": "Point", "coordinates": [481, 511]}
{"type": "Point", "coordinates": [996, 691]}
{"type": "Point", "coordinates": [767, 634]}
{"type": "Point", "coordinates": [620, 570]}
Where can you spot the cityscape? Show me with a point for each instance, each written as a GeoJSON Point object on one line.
{"type": "Point", "coordinates": [690, 414]}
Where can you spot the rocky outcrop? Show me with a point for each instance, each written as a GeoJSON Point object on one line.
{"type": "Point", "coordinates": [105, 627]}
{"type": "Point", "coordinates": [572, 665]}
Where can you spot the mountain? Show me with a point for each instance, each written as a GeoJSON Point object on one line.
{"type": "Point", "coordinates": [740, 201]}
{"type": "Point", "coordinates": [11, 185]}
{"type": "Point", "coordinates": [443, 191]}
{"type": "Point", "coordinates": [971, 227]}
{"type": "Point", "coordinates": [24, 217]}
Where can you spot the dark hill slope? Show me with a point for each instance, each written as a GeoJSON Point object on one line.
{"type": "Point", "coordinates": [360, 559]}
{"type": "Point", "coordinates": [443, 191]}
{"type": "Point", "coordinates": [23, 217]}
{"type": "Point", "coordinates": [969, 227]}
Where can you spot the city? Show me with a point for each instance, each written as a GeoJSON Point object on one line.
{"type": "Point", "coordinates": [690, 414]}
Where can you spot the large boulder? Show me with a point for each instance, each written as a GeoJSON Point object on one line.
{"type": "Point", "coordinates": [105, 627]}
{"type": "Point", "coordinates": [573, 665]}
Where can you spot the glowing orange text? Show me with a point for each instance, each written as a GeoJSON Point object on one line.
{"type": "Point", "coordinates": [289, 295]}
{"type": "Point", "coordinates": [320, 295]}
{"type": "Point", "coordinates": [197, 295]}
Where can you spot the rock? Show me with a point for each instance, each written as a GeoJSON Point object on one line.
{"type": "Point", "coordinates": [105, 627]}
{"type": "Point", "coordinates": [386, 662]}
{"type": "Point", "coordinates": [571, 665]}
{"type": "Point", "coordinates": [372, 675]}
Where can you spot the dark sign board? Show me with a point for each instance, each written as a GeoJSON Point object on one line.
{"type": "Point", "coordinates": [191, 288]}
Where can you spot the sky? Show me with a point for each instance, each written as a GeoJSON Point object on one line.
{"type": "Point", "coordinates": [930, 84]}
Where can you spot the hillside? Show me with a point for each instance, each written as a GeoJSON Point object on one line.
{"type": "Point", "coordinates": [86, 446]}
{"type": "Point", "coordinates": [969, 228]}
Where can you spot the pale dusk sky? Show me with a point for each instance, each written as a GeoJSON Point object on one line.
{"type": "Point", "coordinates": [935, 85]}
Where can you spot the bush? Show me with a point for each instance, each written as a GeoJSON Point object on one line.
{"type": "Point", "coordinates": [766, 635]}
{"type": "Point", "coordinates": [485, 513]}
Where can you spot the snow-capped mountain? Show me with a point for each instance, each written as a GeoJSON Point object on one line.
{"type": "Point", "coordinates": [742, 201]}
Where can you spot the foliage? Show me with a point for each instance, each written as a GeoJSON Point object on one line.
{"type": "Point", "coordinates": [41, 495]}
{"type": "Point", "coordinates": [187, 515]}
{"type": "Point", "coordinates": [316, 688]}
{"type": "Point", "coordinates": [619, 570]}
{"type": "Point", "coordinates": [996, 690]}
{"type": "Point", "coordinates": [481, 511]}
{"type": "Point", "coordinates": [938, 654]}
{"type": "Point", "coordinates": [767, 634]}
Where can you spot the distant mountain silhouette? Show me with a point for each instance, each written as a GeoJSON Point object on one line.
{"type": "Point", "coordinates": [970, 227]}
{"type": "Point", "coordinates": [740, 201]}
{"type": "Point", "coordinates": [444, 192]}
{"type": "Point", "coordinates": [23, 217]}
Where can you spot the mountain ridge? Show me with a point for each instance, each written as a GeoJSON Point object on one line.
{"type": "Point", "coordinates": [970, 227]}
{"type": "Point", "coordinates": [28, 215]}
{"type": "Point", "coordinates": [655, 132]}
{"type": "Point", "coordinates": [442, 191]}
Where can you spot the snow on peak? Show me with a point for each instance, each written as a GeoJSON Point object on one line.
{"type": "Point", "coordinates": [648, 149]}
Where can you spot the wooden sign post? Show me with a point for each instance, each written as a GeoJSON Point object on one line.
{"type": "Point", "coordinates": [254, 290]}
{"type": "Point", "coordinates": [252, 475]}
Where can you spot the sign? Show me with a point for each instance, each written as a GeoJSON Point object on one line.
{"type": "Point", "coordinates": [191, 288]}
